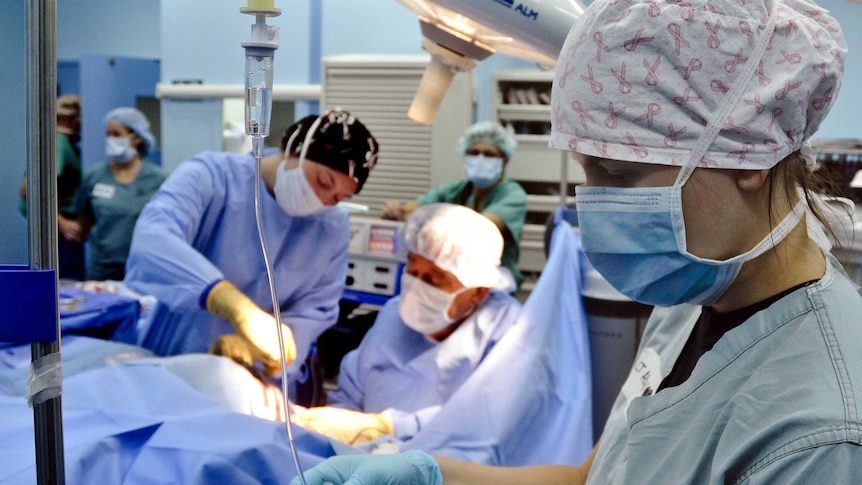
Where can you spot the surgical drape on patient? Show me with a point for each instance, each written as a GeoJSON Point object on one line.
{"type": "Point", "coordinates": [132, 419]}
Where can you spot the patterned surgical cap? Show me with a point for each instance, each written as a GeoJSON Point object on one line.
{"type": "Point", "coordinates": [641, 80]}
{"type": "Point", "coordinates": [339, 141]}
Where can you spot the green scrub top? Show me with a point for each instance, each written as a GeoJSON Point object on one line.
{"type": "Point", "coordinates": [508, 200]}
{"type": "Point", "coordinates": [68, 177]}
{"type": "Point", "coordinates": [114, 207]}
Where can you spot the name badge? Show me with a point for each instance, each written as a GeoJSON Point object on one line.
{"type": "Point", "coordinates": [645, 376]}
{"type": "Point", "coordinates": [104, 191]}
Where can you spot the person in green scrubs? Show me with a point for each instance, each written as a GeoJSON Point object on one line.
{"type": "Point", "coordinates": [70, 237]}
{"type": "Point", "coordinates": [113, 193]}
{"type": "Point", "coordinates": [486, 148]}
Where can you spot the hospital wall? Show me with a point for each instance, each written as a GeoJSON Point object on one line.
{"type": "Point", "coordinates": [199, 39]}
{"type": "Point", "coordinates": [13, 227]}
{"type": "Point", "coordinates": [844, 119]}
{"type": "Point", "coordinates": [119, 27]}
{"type": "Point", "coordinates": [309, 31]}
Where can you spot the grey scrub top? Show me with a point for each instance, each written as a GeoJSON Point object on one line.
{"type": "Point", "coordinates": [777, 400]}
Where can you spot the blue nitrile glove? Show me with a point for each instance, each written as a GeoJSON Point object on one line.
{"type": "Point", "coordinates": [414, 467]}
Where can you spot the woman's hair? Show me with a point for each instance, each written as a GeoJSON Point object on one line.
{"type": "Point", "coordinates": [141, 145]}
{"type": "Point", "coordinates": [792, 173]}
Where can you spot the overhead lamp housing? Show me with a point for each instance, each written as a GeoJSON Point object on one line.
{"type": "Point", "coordinates": [459, 33]}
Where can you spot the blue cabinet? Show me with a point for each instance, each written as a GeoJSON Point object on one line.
{"type": "Point", "coordinates": [107, 82]}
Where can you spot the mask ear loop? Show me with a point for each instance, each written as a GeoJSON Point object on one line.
{"type": "Point", "coordinates": [452, 298]}
{"type": "Point", "coordinates": [715, 124]}
{"type": "Point", "coordinates": [308, 138]}
{"type": "Point", "coordinates": [288, 148]}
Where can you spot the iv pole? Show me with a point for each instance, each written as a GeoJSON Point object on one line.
{"type": "Point", "coordinates": [42, 213]}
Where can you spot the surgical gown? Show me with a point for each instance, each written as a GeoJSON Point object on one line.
{"type": "Point", "coordinates": [530, 402]}
{"type": "Point", "coordinates": [200, 228]}
{"type": "Point", "coordinates": [778, 399]}
{"type": "Point", "coordinates": [400, 370]}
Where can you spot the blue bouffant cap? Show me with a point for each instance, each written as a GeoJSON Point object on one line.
{"type": "Point", "coordinates": [135, 121]}
{"type": "Point", "coordinates": [490, 131]}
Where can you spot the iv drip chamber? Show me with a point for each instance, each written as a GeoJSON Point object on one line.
{"type": "Point", "coordinates": [258, 93]}
{"type": "Point", "coordinates": [259, 56]}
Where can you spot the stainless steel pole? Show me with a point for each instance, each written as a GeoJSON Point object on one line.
{"type": "Point", "coordinates": [42, 212]}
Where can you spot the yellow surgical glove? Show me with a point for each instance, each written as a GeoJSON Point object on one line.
{"type": "Point", "coordinates": [239, 349]}
{"type": "Point", "coordinates": [351, 427]}
{"type": "Point", "coordinates": [396, 211]}
{"type": "Point", "coordinates": [255, 325]}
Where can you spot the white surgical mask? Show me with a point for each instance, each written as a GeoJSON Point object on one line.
{"type": "Point", "coordinates": [120, 148]}
{"type": "Point", "coordinates": [425, 308]}
{"type": "Point", "coordinates": [483, 171]}
{"type": "Point", "coordinates": [294, 194]}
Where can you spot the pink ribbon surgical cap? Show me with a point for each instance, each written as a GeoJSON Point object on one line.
{"type": "Point", "coordinates": [732, 84]}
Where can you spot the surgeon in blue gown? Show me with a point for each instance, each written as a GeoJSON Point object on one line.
{"type": "Point", "coordinates": [195, 246]}
{"type": "Point", "coordinates": [426, 342]}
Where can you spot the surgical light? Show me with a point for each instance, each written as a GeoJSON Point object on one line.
{"type": "Point", "coordinates": [459, 33]}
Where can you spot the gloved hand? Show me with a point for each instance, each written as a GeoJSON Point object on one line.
{"type": "Point", "coordinates": [241, 350]}
{"type": "Point", "coordinates": [257, 326]}
{"type": "Point", "coordinates": [413, 467]}
{"type": "Point", "coordinates": [351, 427]}
{"type": "Point", "coordinates": [394, 210]}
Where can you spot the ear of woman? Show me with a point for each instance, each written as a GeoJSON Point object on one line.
{"type": "Point", "coordinates": [751, 180]}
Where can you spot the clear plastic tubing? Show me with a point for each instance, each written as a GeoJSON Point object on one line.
{"type": "Point", "coordinates": [258, 145]}
{"type": "Point", "coordinates": [259, 54]}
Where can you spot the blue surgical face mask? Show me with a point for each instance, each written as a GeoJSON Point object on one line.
{"type": "Point", "coordinates": [120, 148]}
{"type": "Point", "coordinates": [483, 171]}
{"type": "Point", "coordinates": [635, 237]}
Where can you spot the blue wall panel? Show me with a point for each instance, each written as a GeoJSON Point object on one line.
{"type": "Point", "coordinates": [13, 236]}
{"type": "Point", "coordinates": [108, 82]}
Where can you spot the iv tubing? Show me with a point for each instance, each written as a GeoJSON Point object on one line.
{"type": "Point", "coordinates": [257, 151]}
